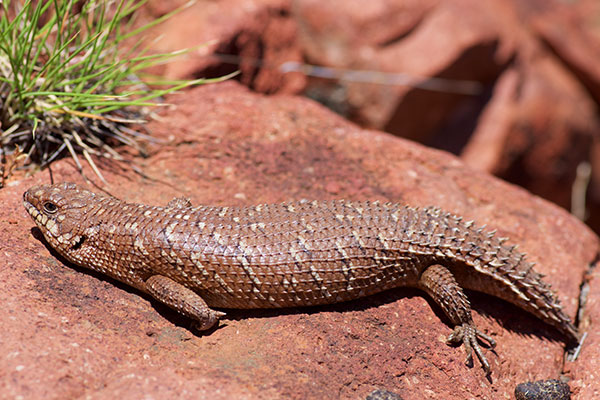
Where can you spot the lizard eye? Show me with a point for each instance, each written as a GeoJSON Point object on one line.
{"type": "Point", "coordinates": [50, 207]}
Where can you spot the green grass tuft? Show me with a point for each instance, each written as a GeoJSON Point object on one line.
{"type": "Point", "coordinates": [67, 86]}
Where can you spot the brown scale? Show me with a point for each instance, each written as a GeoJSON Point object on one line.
{"type": "Point", "coordinates": [285, 255]}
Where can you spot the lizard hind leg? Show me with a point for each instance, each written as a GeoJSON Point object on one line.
{"type": "Point", "coordinates": [441, 285]}
{"type": "Point", "coordinates": [183, 300]}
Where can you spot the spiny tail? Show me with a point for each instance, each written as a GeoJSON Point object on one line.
{"type": "Point", "coordinates": [504, 272]}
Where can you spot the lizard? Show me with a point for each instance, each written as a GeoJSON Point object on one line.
{"type": "Point", "coordinates": [306, 253]}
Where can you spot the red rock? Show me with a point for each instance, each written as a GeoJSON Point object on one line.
{"type": "Point", "coordinates": [571, 30]}
{"type": "Point", "coordinates": [487, 147]}
{"type": "Point", "coordinates": [67, 333]}
{"type": "Point", "coordinates": [548, 45]}
{"type": "Point", "coordinates": [584, 371]}
{"type": "Point", "coordinates": [535, 131]}
{"type": "Point", "coordinates": [426, 41]}
{"type": "Point", "coordinates": [253, 36]}
{"type": "Point", "coordinates": [336, 32]}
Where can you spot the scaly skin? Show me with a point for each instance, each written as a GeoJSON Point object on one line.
{"type": "Point", "coordinates": [286, 255]}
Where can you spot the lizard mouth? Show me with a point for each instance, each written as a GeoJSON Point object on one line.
{"type": "Point", "coordinates": [41, 220]}
{"type": "Point", "coordinates": [31, 209]}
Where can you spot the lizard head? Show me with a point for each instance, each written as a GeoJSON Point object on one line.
{"type": "Point", "coordinates": [59, 211]}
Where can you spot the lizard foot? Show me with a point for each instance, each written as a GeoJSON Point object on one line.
{"type": "Point", "coordinates": [468, 334]}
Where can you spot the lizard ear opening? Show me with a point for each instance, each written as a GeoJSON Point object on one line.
{"type": "Point", "coordinates": [79, 243]}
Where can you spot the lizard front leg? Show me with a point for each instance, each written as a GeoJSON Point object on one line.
{"type": "Point", "coordinates": [440, 284]}
{"type": "Point", "coordinates": [183, 300]}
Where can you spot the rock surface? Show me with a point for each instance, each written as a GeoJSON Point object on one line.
{"type": "Point", "coordinates": [532, 122]}
{"type": "Point", "coordinates": [70, 333]}
{"type": "Point", "coordinates": [535, 133]}
{"type": "Point", "coordinates": [252, 36]}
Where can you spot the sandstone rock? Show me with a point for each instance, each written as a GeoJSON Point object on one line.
{"type": "Point", "coordinates": [584, 371]}
{"type": "Point", "coordinates": [572, 32]}
{"type": "Point", "coordinates": [548, 47]}
{"type": "Point", "coordinates": [535, 133]}
{"type": "Point", "coordinates": [426, 41]}
{"type": "Point", "coordinates": [537, 128]}
{"type": "Point", "coordinates": [253, 36]}
{"type": "Point", "coordinates": [68, 332]}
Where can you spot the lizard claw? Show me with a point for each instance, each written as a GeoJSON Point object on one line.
{"type": "Point", "coordinates": [468, 334]}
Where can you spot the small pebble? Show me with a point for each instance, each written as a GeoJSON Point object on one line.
{"type": "Point", "coordinates": [383, 395]}
{"type": "Point", "coordinates": [550, 389]}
